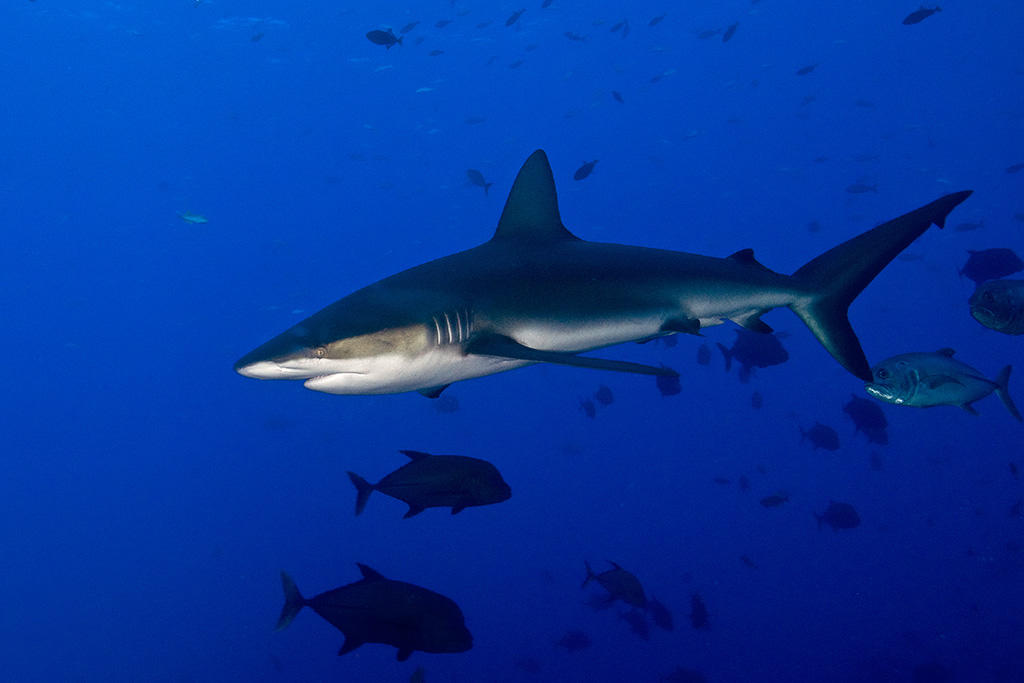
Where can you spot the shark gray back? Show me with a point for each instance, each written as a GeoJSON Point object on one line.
{"type": "Point", "coordinates": [537, 293]}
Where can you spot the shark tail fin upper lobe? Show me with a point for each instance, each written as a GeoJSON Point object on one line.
{"type": "Point", "coordinates": [836, 277]}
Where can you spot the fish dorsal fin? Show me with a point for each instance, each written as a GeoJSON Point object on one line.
{"type": "Point", "coordinates": [531, 210]}
{"type": "Point", "coordinates": [746, 257]}
{"type": "Point", "coordinates": [415, 455]}
{"type": "Point", "coordinates": [947, 352]}
{"type": "Point", "coordinates": [370, 574]}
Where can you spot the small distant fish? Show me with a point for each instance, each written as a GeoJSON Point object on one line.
{"type": "Point", "coordinates": [704, 354]}
{"type": "Point", "coordinates": [604, 395]}
{"type": "Point", "coordinates": [514, 17]}
{"type": "Point", "coordinates": [454, 481]}
{"type": "Point", "coordinates": [708, 33]}
{"type": "Point", "coordinates": [385, 38]}
{"type": "Point", "coordinates": [637, 623]}
{"type": "Point", "coordinates": [699, 616]}
{"type": "Point", "coordinates": [617, 96]}
{"type": "Point", "coordinates": [821, 436]}
{"type": "Point", "coordinates": [748, 562]}
{"type": "Point", "coordinates": [620, 584]}
{"type": "Point", "coordinates": [442, 23]}
{"type": "Point", "coordinates": [484, 24]}
{"type": "Point", "coordinates": [660, 615]}
{"type": "Point", "coordinates": [868, 418]}
{"type": "Point", "coordinates": [257, 37]}
{"type": "Point", "coordinates": [193, 218]}
{"type": "Point", "coordinates": [919, 15]}
{"type": "Point", "coordinates": [839, 516]}
{"type": "Point", "coordinates": [656, 20]}
{"type": "Point", "coordinates": [756, 400]}
{"type": "Point", "coordinates": [999, 305]}
{"type": "Point", "coordinates": [408, 27]}
{"type": "Point", "coordinates": [936, 379]}
{"type": "Point", "coordinates": [1013, 470]}
{"type": "Point", "coordinates": [730, 32]}
{"type": "Point", "coordinates": [587, 406]}
{"type": "Point", "coordinates": [516, 64]}
{"type": "Point", "coordinates": [968, 226]}
{"type": "Point", "coordinates": [774, 500]}
{"type": "Point", "coordinates": [474, 120]}
{"type": "Point", "coordinates": [585, 170]}
{"type": "Point", "coordinates": [435, 53]}
{"type": "Point", "coordinates": [991, 264]}
{"type": "Point", "coordinates": [753, 350]}
{"type": "Point", "coordinates": [861, 188]}
{"type": "Point", "coordinates": [804, 70]}
{"type": "Point", "coordinates": [574, 36]}
{"type": "Point", "coordinates": [668, 385]}
{"type": "Point", "coordinates": [615, 27]}
{"type": "Point", "coordinates": [1015, 168]}
{"type": "Point", "coordinates": [574, 641]}
{"type": "Point", "coordinates": [476, 178]}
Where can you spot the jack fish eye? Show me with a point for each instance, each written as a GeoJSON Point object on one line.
{"type": "Point", "coordinates": [882, 373]}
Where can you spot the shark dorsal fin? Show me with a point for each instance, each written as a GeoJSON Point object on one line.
{"type": "Point", "coordinates": [531, 210]}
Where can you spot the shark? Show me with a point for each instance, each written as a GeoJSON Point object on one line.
{"type": "Point", "coordinates": [537, 293]}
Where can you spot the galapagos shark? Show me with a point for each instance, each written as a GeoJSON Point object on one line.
{"type": "Point", "coordinates": [536, 293]}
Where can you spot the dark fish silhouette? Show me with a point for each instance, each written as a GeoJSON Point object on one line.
{"type": "Point", "coordinates": [442, 23]}
{"type": "Point", "coordinates": [379, 610]}
{"type": "Point", "coordinates": [703, 354]}
{"type": "Point", "coordinates": [620, 584]}
{"type": "Point", "coordinates": [991, 264]}
{"type": "Point", "coordinates": [1015, 168]}
{"type": "Point", "coordinates": [748, 562]}
{"type": "Point", "coordinates": [615, 27]}
{"type": "Point", "coordinates": [574, 641]}
{"type": "Point", "coordinates": [637, 623]}
{"type": "Point", "coordinates": [998, 304]}
{"type": "Point", "coordinates": [753, 350]}
{"type": "Point", "coordinates": [660, 615]}
{"type": "Point", "coordinates": [861, 188]}
{"type": "Point", "coordinates": [477, 178]}
{"type": "Point", "coordinates": [546, 3]}
{"type": "Point", "coordinates": [868, 417]}
{"type": "Point", "coordinates": [839, 516]}
{"type": "Point", "coordinates": [617, 96]}
{"type": "Point", "coordinates": [699, 616]}
{"type": "Point", "coordinates": [804, 70]}
{"type": "Point", "coordinates": [730, 32]}
{"type": "Point", "coordinates": [427, 481]}
{"type": "Point", "coordinates": [435, 53]}
{"type": "Point", "coordinates": [574, 36]}
{"type": "Point", "coordinates": [774, 500]}
{"type": "Point", "coordinates": [385, 38]}
{"type": "Point", "coordinates": [583, 171]}
{"type": "Point", "coordinates": [587, 406]}
{"type": "Point", "coordinates": [656, 20]}
{"type": "Point", "coordinates": [919, 15]}
{"type": "Point", "coordinates": [514, 17]}
{"type": "Point", "coordinates": [604, 395]}
{"type": "Point", "coordinates": [821, 436]}
{"type": "Point", "coordinates": [968, 226]}
{"type": "Point", "coordinates": [668, 385]}
{"type": "Point", "coordinates": [408, 27]}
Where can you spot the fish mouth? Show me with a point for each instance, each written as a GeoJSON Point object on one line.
{"type": "Point", "coordinates": [882, 392]}
{"type": "Point", "coordinates": [268, 369]}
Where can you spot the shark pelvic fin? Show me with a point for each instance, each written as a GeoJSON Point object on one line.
{"type": "Point", "coordinates": [505, 347]}
{"type": "Point", "coordinates": [531, 210]}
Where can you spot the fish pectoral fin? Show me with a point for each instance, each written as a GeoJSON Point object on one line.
{"type": "Point", "coordinates": [404, 653]}
{"type": "Point", "coordinates": [753, 323]}
{"type": "Point", "coordinates": [349, 645]}
{"type": "Point", "coordinates": [506, 347]}
{"type": "Point", "coordinates": [413, 511]}
{"type": "Point", "coordinates": [936, 381]}
{"type": "Point", "coordinates": [969, 408]}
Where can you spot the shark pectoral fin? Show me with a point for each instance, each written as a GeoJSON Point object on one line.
{"type": "Point", "coordinates": [683, 325]}
{"type": "Point", "coordinates": [506, 347]}
{"type": "Point", "coordinates": [936, 381]}
{"type": "Point", "coordinates": [433, 392]}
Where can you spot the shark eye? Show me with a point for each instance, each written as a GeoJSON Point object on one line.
{"type": "Point", "coordinates": [320, 352]}
{"type": "Point", "coordinates": [882, 373]}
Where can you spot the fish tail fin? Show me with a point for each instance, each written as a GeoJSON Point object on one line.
{"type": "Point", "coordinates": [590, 574]}
{"type": "Point", "coordinates": [834, 279]}
{"type": "Point", "coordinates": [293, 602]}
{"type": "Point", "coordinates": [363, 491]}
{"type": "Point", "coordinates": [1003, 392]}
{"type": "Point", "coordinates": [726, 355]}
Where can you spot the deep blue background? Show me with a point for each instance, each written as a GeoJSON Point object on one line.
{"type": "Point", "coordinates": [150, 495]}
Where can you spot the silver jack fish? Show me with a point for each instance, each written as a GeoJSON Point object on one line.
{"type": "Point", "coordinates": [999, 305]}
{"type": "Point", "coordinates": [936, 379]}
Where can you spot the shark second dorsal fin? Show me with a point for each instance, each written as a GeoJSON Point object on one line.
{"type": "Point", "coordinates": [531, 210]}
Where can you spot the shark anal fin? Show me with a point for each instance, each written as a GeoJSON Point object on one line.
{"type": "Point", "coordinates": [506, 347]}
{"type": "Point", "coordinates": [683, 325]}
{"type": "Point", "coordinates": [433, 392]}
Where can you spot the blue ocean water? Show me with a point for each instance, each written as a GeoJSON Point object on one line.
{"type": "Point", "coordinates": [151, 495]}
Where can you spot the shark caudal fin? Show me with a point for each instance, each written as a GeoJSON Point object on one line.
{"type": "Point", "coordinates": [293, 602]}
{"type": "Point", "coordinates": [836, 278]}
